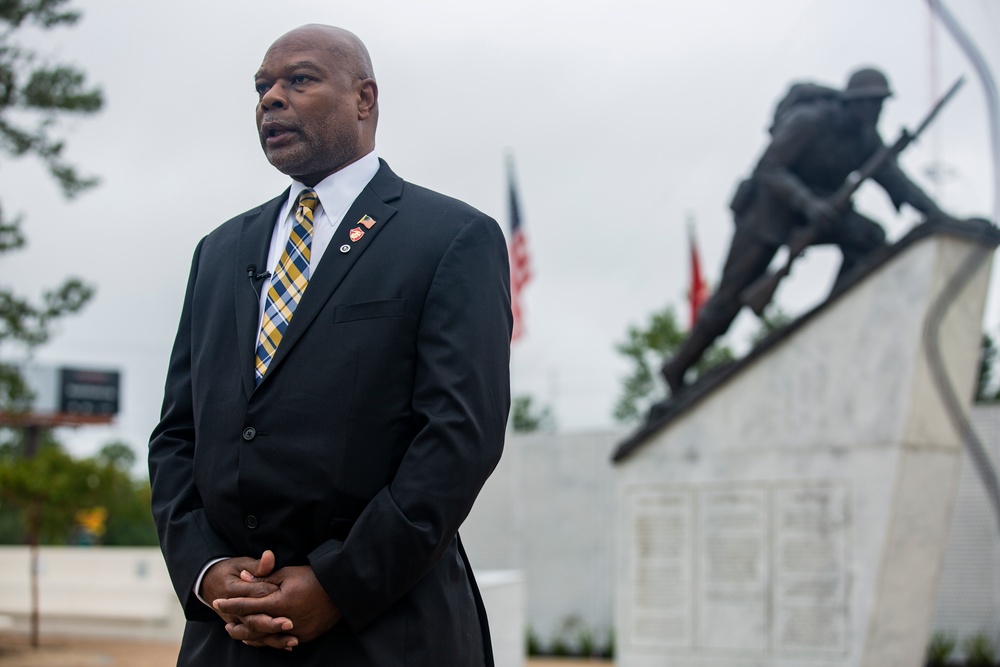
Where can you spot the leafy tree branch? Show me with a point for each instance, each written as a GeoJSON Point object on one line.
{"type": "Point", "coordinates": [34, 96]}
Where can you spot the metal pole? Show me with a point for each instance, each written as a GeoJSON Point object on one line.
{"type": "Point", "coordinates": [32, 438]}
{"type": "Point", "coordinates": [989, 88]}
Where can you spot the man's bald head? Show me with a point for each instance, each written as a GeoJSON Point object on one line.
{"type": "Point", "coordinates": [318, 106]}
{"type": "Point", "coordinates": [344, 45]}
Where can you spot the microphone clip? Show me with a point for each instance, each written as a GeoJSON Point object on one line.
{"type": "Point", "coordinates": [253, 277]}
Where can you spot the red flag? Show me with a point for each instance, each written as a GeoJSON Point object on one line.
{"type": "Point", "coordinates": [520, 261]}
{"type": "Point", "coordinates": [698, 292]}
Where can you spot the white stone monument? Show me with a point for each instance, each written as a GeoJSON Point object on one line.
{"type": "Point", "coordinates": [796, 511]}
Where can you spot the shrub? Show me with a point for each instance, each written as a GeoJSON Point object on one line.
{"type": "Point", "coordinates": [560, 648]}
{"type": "Point", "coordinates": [585, 644]}
{"type": "Point", "coordinates": [532, 644]}
{"type": "Point", "coordinates": [979, 650]}
{"type": "Point", "coordinates": [941, 648]}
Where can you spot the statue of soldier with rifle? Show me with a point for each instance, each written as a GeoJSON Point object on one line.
{"type": "Point", "coordinates": [824, 144]}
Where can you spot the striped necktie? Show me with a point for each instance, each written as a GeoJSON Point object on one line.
{"type": "Point", "coordinates": [288, 283]}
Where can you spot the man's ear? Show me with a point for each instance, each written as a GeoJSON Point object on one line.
{"type": "Point", "coordinates": [367, 98]}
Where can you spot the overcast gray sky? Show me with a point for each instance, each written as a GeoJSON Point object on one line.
{"type": "Point", "coordinates": [624, 117]}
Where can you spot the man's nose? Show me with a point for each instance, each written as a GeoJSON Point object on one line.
{"type": "Point", "coordinates": [274, 98]}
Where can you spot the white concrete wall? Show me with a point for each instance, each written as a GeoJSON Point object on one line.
{"type": "Point", "coordinates": [969, 594]}
{"type": "Point", "coordinates": [537, 516]}
{"type": "Point", "coordinates": [503, 596]}
{"type": "Point", "coordinates": [548, 510]}
{"type": "Point", "coordinates": [126, 593]}
{"type": "Point", "coordinates": [109, 592]}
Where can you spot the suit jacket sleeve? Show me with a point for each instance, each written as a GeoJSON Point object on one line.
{"type": "Point", "coordinates": [461, 399]}
{"type": "Point", "coordinates": [186, 538]}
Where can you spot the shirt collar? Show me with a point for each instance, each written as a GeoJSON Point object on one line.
{"type": "Point", "coordinates": [338, 191]}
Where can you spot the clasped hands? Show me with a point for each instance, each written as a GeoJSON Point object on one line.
{"type": "Point", "coordinates": [266, 607]}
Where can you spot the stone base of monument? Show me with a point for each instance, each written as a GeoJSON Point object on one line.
{"type": "Point", "coordinates": [795, 511]}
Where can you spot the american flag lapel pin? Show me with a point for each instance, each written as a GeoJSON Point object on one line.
{"type": "Point", "coordinates": [367, 221]}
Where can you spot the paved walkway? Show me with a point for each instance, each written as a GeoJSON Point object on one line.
{"type": "Point", "coordinates": [15, 652]}
{"type": "Point", "coordinates": [57, 652]}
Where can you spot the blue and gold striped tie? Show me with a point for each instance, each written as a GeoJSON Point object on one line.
{"type": "Point", "coordinates": [288, 283]}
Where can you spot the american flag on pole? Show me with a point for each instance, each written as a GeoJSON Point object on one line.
{"type": "Point", "coordinates": [698, 291]}
{"type": "Point", "coordinates": [520, 261]}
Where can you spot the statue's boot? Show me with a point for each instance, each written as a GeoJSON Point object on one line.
{"type": "Point", "coordinates": [687, 355]}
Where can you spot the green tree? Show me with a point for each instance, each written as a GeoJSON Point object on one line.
{"type": "Point", "coordinates": [130, 522]}
{"type": "Point", "coordinates": [774, 318]}
{"type": "Point", "coordinates": [647, 347]}
{"type": "Point", "coordinates": [45, 499]}
{"type": "Point", "coordinates": [46, 488]}
{"type": "Point", "coordinates": [53, 486]}
{"type": "Point", "coordinates": [34, 96]}
{"type": "Point", "coordinates": [526, 418]}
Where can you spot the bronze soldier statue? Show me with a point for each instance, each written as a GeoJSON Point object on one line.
{"type": "Point", "coordinates": [815, 145]}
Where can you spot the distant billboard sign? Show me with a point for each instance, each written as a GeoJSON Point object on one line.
{"type": "Point", "coordinates": [88, 392]}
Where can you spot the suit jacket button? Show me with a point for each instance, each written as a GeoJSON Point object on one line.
{"type": "Point", "coordinates": [250, 521]}
{"type": "Point", "coordinates": [249, 433]}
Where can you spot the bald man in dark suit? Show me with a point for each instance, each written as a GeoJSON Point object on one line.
{"type": "Point", "coordinates": [336, 396]}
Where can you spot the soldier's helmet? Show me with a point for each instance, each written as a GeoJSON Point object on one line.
{"type": "Point", "coordinates": [867, 83]}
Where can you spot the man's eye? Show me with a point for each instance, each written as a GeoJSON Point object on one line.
{"type": "Point", "coordinates": [300, 78]}
{"type": "Point", "coordinates": [261, 88]}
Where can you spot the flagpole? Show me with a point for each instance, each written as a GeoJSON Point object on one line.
{"type": "Point", "coordinates": [520, 273]}
{"type": "Point", "coordinates": [989, 87]}
{"type": "Point", "coordinates": [981, 458]}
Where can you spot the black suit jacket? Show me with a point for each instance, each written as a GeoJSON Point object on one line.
{"type": "Point", "coordinates": [362, 450]}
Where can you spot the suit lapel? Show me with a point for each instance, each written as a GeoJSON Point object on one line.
{"type": "Point", "coordinates": [336, 263]}
{"type": "Point", "coordinates": [255, 240]}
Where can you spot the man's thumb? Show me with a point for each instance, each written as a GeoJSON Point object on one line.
{"type": "Point", "coordinates": [262, 567]}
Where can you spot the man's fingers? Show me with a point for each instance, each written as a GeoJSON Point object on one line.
{"type": "Point", "coordinates": [242, 607]}
{"type": "Point", "coordinates": [266, 625]}
{"type": "Point", "coordinates": [242, 632]}
{"type": "Point", "coordinates": [253, 588]}
{"type": "Point", "coordinates": [258, 626]}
